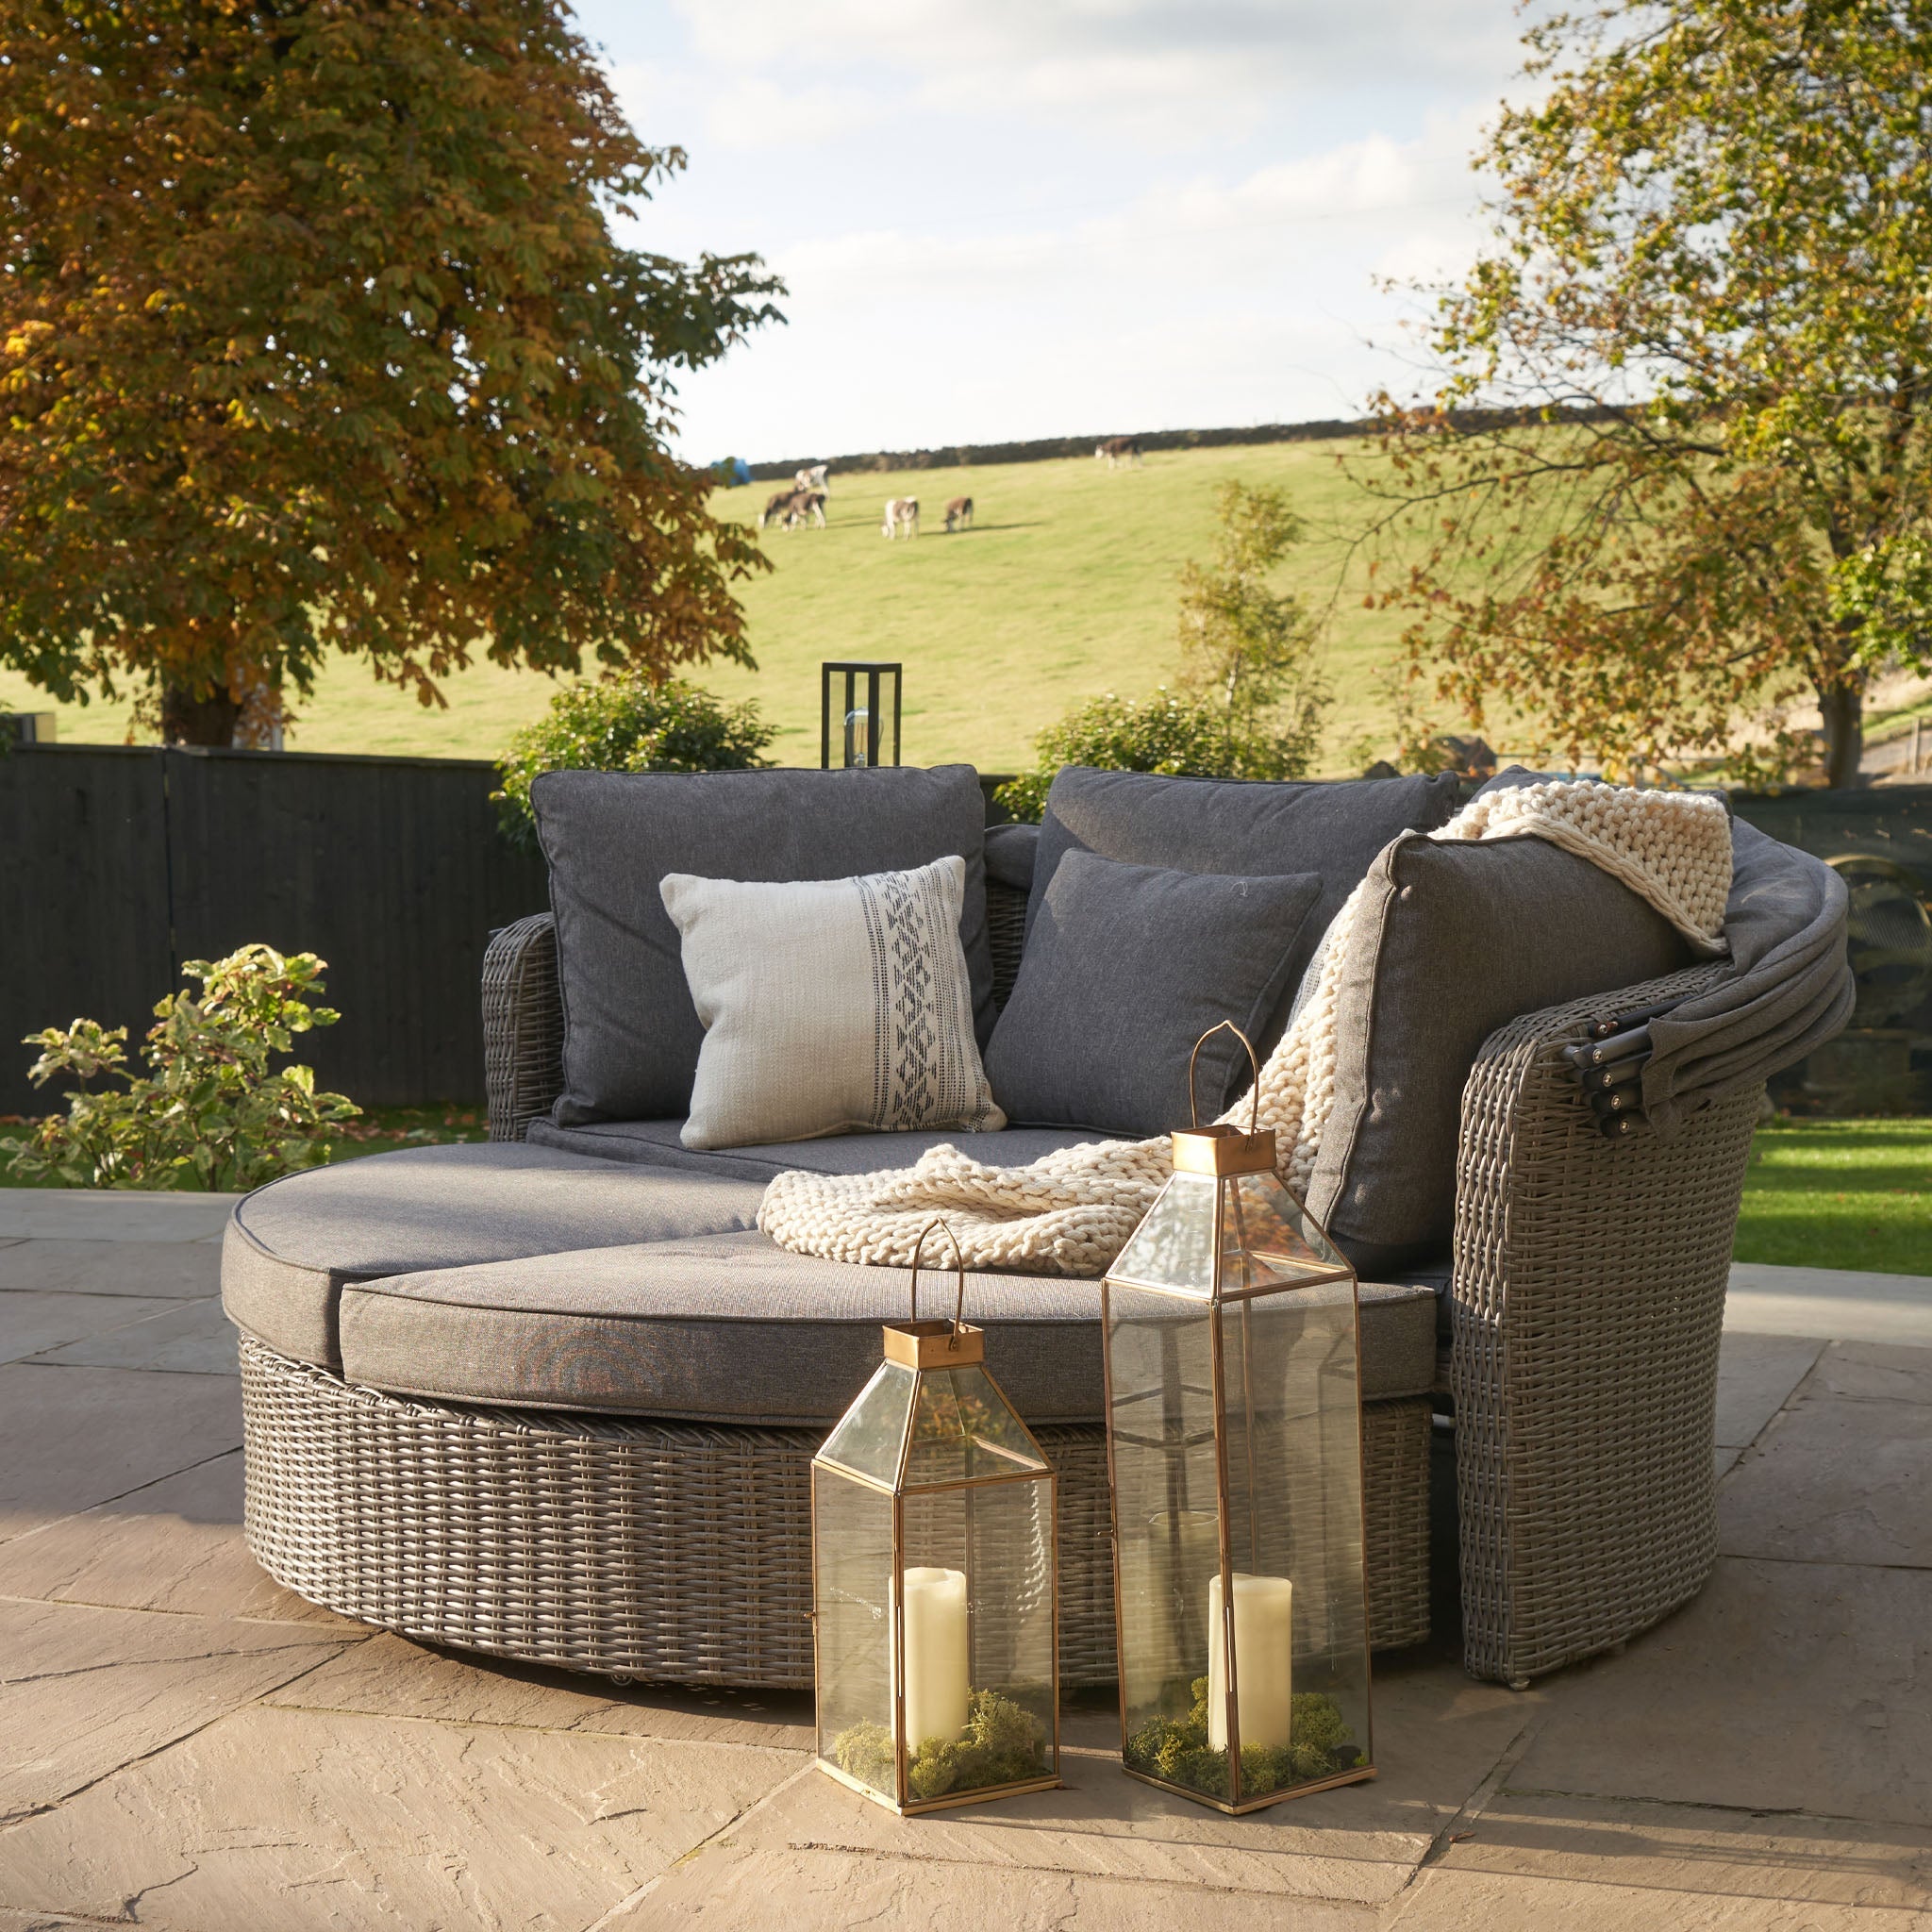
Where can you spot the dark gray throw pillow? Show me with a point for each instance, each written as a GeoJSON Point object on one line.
{"type": "Point", "coordinates": [1126, 967]}
{"type": "Point", "coordinates": [1236, 825]}
{"type": "Point", "coordinates": [630, 1033]}
{"type": "Point", "coordinates": [1465, 935]}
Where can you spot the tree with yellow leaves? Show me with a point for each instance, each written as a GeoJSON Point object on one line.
{"type": "Point", "coordinates": [314, 336]}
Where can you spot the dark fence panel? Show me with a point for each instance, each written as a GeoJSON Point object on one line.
{"type": "Point", "coordinates": [83, 900]}
{"type": "Point", "coordinates": [123, 863]}
{"type": "Point", "coordinates": [1880, 841]}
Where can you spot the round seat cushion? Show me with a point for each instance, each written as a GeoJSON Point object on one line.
{"type": "Point", "coordinates": [291, 1247]}
{"type": "Point", "coordinates": [731, 1328]}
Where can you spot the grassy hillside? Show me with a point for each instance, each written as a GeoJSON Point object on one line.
{"type": "Point", "coordinates": [1066, 588]}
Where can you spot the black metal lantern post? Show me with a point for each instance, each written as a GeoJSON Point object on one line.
{"type": "Point", "coordinates": [855, 722]}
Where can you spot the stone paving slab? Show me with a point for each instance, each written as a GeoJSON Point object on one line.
{"type": "Point", "coordinates": [86, 1691]}
{"type": "Point", "coordinates": [32, 1321]}
{"type": "Point", "coordinates": [1439, 1736]}
{"type": "Point", "coordinates": [1683, 1848]}
{"type": "Point", "coordinates": [110, 1214]}
{"type": "Point", "coordinates": [182, 1270]}
{"type": "Point", "coordinates": [814, 1890]}
{"type": "Point", "coordinates": [390, 1676]}
{"type": "Point", "coordinates": [1454, 1901]}
{"type": "Point", "coordinates": [176, 1544]}
{"type": "Point", "coordinates": [1784, 1687]}
{"type": "Point", "coordinates": [286, 1821]}
{"type": "Point", "coordinates": [71, 1437]}
{"type": "Point", "coordinates": [184, 1338]}
{"type": "Point", "coordinates": [1846, 1303]}
{"type": "Point", "coordinates": [1840, 1479]}
{"type": "Point", "coordinates": [1757, 1374]}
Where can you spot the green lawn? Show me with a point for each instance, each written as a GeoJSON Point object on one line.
{"type": "Point", "coordinates": [1841, 1195]}
{"type": "Point", "coordinates": [1064, 588]}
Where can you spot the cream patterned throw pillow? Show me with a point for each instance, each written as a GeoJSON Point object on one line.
{"type": "Point", "coordinates": [830, 1006]}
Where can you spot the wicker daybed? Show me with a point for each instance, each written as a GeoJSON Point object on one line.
{"type": "Point", "coordinates": [1585, 1304]}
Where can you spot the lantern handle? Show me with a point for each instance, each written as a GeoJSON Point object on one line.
{"type": "Point", "coordinates": [1254, 1091]}
{"type": "Point", "coordinates": [960, 1262]}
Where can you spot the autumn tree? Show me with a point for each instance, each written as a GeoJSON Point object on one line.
{"type": "Point", "coordinates": [314, 336]}
{"type": "Point", "coordinates": [1703, 329]}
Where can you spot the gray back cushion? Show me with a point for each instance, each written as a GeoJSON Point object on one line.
{"type": "Point", "coordinates": [630, 1033]}
{"type": "Point", "coordinates": [1465, 935]}
{"type": "Point", "coordinates": [1125, 968]}
{"type": "Point", "coordinates": [1233, 826]}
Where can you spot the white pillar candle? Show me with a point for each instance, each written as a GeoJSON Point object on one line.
{"type": "Point", "coordinates": [936, 1680]}
{"type": "Point", "coordinates": [1264, 1660]}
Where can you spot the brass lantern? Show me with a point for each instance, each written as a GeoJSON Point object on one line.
{"type": "Point", "coordinates": [934, 1578]}
{"type": "Point", "coordinates": [1234, 1446]}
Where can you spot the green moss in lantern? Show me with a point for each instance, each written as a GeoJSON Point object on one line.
{"type": "Point", "coordinates": [1177, 1751]}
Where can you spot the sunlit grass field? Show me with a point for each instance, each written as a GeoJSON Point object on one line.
{"type": "Point", "coordinates": [1840, 1194]}
{"type": "Point", "coordinates": [1065, 587]}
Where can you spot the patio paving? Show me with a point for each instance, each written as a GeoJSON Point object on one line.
{"type": "Point", "coordinates": [185, 1746]}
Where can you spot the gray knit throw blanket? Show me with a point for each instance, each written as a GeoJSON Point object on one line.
{"type": "Point", "coordinates": [1071, 1212]}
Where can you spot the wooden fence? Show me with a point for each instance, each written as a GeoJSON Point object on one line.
{"type": "Point", "coordinates": [116, 864]}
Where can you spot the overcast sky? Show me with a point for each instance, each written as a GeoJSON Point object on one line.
{"type": "Point", "coordinates": [1016, 218]}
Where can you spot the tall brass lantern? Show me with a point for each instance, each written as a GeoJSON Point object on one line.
{"type": "Point", "coordinates": [1234, 1445]}
{"type": "Point", "coordinates": [933, 1579]}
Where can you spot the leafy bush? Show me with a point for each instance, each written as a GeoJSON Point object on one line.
{"type": "Point", "coordinates": [628, 725]}
{"type": "Point", "coordinates": [209, 1114]}
{"type": "Point", "coordinates": [1252, 693]}
{"type": "Point", "coordinates": [1178, 735]}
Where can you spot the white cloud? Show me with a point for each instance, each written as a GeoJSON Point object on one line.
{"type": "Point", "coordinates": [1067, 55]}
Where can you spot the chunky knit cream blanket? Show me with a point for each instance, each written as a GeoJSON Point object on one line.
{"type": "Point", "coordinates": [1071, 1212]}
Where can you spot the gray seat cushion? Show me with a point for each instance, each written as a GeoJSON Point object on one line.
{"type": "Point", "coordinates": [656, 1143]}
{"type": "Point", "coordinates": [1234, 826]}
{"type": "Point", "coordinates": [1125, 969]}
{"type": "Point", "coordinates": [292, 1245]}
{"type": "Point", "coordinates": [631, 1034]}
{"type": "Point", "coordinates": [1467, 935]}
{"type": "Point", "coordinates": [733, 1329]}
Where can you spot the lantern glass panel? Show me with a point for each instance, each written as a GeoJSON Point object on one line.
{"type": "Point", "coordinates": [1294, 1454]}
{"type": "Point", "coordinates": [1267, 1237]}
{"type": "Point", "coordinates": [962, 1431]}
{"type": "Point", "coordinates": [1290, 1447]}
{"type": "Point", "coordinates": [852, 1531]}
{"type": "Point", "coordinates": [1174, 1247]}
{"type": "Point", "coordinates": [1166, 1509]}
{"type": "Point", "coordinates": [871, 1435]}
{"type": "Point", "coordinates": [977, 1656]}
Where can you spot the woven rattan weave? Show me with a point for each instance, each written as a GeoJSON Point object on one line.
{"type": "Point", "coordinates": [662, 1551]}
{"type": "Point", "coordinates": [1589, 1296]}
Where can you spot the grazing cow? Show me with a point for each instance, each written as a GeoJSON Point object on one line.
{"type": "Point", "coordinates": [791, 508]}
{"type": "Point", "coordinates": [960, 515]}
{"type": "Point", "coordinates": [902, 517]}
{"type": "Point", "coordinates": [813, 478]}
{"type": "Point", "coordinates": [1118, 450]}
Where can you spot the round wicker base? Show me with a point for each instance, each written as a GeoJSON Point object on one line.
{"type": "Point", "coordinates": [659, 1551]}
{"type": "Point", "coordinates": [665, 1552]}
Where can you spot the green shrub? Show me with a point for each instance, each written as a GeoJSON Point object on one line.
{"type": "Point", "coordinates": [628, 725]}
{"type": "Point", "coordinates": [1252, 695]}
{"type": "Point", "coordinates": [1174, 733]}
{"type": "Point", "coordinates": [209, 1114]}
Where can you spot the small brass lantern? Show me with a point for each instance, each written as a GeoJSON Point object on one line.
{"type": "Point", "coordinates": [934, 1578]}
{"type": "Point", "coordinates": [1234, 1448]}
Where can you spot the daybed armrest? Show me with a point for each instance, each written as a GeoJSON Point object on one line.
{"type": "Point", "coordinates": [522, 1026]}
{"type": "Point", "coordinates": [1587, 1302]}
